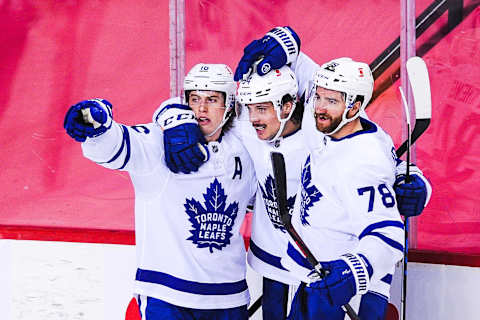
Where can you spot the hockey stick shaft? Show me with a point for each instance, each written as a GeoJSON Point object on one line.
{"type": "Point", "coordinates": [255, 306]}
{"type": "Point", "coordinates": [279, 174]}
{"type": "Point", "coordinates": [409, 134]}
{"type": "Point", "coordinates": [420, 84]}
{"type": "Point", "coordinates": [407, 180]}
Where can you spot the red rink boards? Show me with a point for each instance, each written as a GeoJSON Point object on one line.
{"type": "Point", "coordinates": [58, 53]}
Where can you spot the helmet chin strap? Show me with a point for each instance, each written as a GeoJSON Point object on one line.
{"type": "Point", "coordinates": [283, 122]}
{"type": "Point", "coordinates": [280, 130]}
{"type": "Point", "coordinates": [226, 116]}
{"type": "Point", "coordinates": [214, 131]}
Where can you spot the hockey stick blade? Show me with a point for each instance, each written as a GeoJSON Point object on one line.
{"type": "Point", "coordinates": [280, 178]}
{"type": "Point", "coordinates": [420, 126]}
{"type": "Point", "coordinates": [420, 84]}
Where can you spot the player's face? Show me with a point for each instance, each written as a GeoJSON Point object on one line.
{"type": "Point", "coordinates": [329, 107]}
{"type": "Point", "coordinates": [263, 118]}
{"type": "Point", "coordinates": [209, 107]}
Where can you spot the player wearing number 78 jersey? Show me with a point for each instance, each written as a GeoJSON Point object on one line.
{"type": "Point", "coordinates": [345, 210]}
{"type": "Point", "coordinates": [270, 100]}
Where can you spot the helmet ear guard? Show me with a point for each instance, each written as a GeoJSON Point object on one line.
{"type": "Point", "coordinates": [212, 77]}
{"type": "Point", "coordinates": [354, 79]}
{"type": "Point", "coordinates": [272, 87]}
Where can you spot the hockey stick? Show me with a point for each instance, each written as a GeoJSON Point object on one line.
{"type": "Point", "coordinates": [420, 84]}
{"type": "Point", "coordinates": [279, 175]}
{"type": "Point", "coordinates": [407, 180]}
{"type": "Point", "coordinates": [255, 306]}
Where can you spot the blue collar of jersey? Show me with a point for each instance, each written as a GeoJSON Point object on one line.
{"type": "Point", "coordinates": [220, 138]}
{"type": "Point", "coordinates": [292, 133]}
{"type": "Point", "coordinates": [278, 141]}
{"type": "Point", "coordinates": [367, 125]}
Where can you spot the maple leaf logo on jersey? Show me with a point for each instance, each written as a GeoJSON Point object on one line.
{"type": "Point", "coordinates": [310, 194]}
{"type": "Point", "coordinates": [271, 205]}
{"type": "Point", "coordinates": [212, 224]}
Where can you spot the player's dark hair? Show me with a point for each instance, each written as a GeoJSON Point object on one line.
{"type": "Point", "coordinates": [298, 112]}
{"type": "Point", "coordinates": [229, 123]}
{"type": "Point", "coordinates": [359, 98]}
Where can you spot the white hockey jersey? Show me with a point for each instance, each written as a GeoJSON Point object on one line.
{"type": "Point", "coordinates": [190, 252]}
{"type": "Point", "coordinates": [346, 203]}
{"type": "Point", "coordinates": [269, 239]}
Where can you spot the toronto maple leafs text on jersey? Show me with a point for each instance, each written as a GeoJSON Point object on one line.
{"type": "Point", "coordinates": [190, 252]}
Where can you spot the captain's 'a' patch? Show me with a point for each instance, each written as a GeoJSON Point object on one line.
{"type": "Point", "coordinates": [212, 222]}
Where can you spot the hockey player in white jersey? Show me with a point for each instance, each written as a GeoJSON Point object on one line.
{"type": "Point", "coordinates": [190, 253]}
{"type": "Point", "coordinates": [271, 122]}
{"type": "Point", "coordinates": [345, 210]}
{"type": "Point", "coordinates": [277, 127]}
{"type": "Point", "coordinates": [270, 101]}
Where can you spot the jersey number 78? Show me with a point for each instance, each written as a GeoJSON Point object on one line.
{"type": "Point", "coordinates": [387, 197]}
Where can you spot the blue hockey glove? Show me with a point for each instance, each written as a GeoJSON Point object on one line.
{"type": "Point", "coordinates": [346, 277]}
{"type": "Point", "coordinates": [411, 197]}
{"type": "Point", "coordinates": [278, 47]}
{"type": "Point", "coordinates": [88, 119]}
{"type": "Point", "coordinates": [184, 143]}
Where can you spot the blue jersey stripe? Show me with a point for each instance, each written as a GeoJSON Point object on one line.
{"type": "Point", "coordinates": [126, 141]}
{"type": "Point", "coordinates": [298, 257]}
{"type": "Point", "coordinates": [119, 152]}
{"type": "Point", "coordinates": [381, 224]}
{"type": "Point", "coordinates": [387, 240]}
{"type": "Point", "coordinates": [190, 286]}
{"type": "Point", "coordinates": [378, 294]}
{"type": "Point", "coordinates": [265, 256]}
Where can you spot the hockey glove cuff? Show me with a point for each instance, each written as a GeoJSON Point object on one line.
{"type": "Point", "coordinates": [346, 277]}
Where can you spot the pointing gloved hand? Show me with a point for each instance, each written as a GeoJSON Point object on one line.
{"type": "Point", "coordinates": [88, 119]}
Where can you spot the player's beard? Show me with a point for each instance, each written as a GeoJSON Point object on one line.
{"type": "Point", "coordinates": [331, 125]}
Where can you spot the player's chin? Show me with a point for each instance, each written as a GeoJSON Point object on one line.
{"type": "Point", "coordinates": [263, 135]}
{"type": "Point", "coordinates": [260, 134]}
{"type": "Point", "coordinates": [323, 125]}
{"type": "Point", "coordinates": [205, 126]}
{"type": "Point", "coordinates": [206, 130]}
